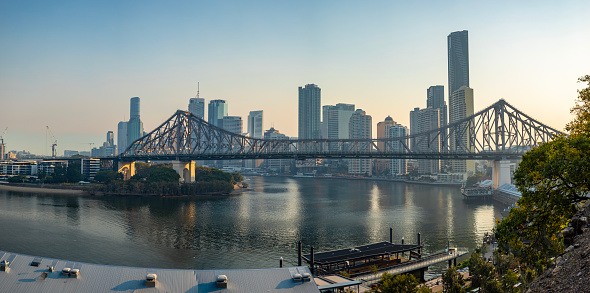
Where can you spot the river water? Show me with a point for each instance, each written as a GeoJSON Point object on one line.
{"type": "Point", "coordinates": [250, 230]}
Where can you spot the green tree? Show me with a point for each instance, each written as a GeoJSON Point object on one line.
{"type": "Point", "coordinates": [397, 284]}
{"type": "Point", "coordinates": [106, 176]}
{"type": "Point", "coordinates": [73, 172]}
{"type": "Point", "coordinates": [17, 179]}
{"type": "Point", "coordinates": [453, 281]}
{"type": "Point", "coordinates": [163, 175]}
{"type": "Point", "coordinates": [553, 180]}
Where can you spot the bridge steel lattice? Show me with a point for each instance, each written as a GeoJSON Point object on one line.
{"type": "Point", "coordinates": [497, 132]}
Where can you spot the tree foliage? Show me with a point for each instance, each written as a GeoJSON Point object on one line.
{"type": "Point", "coordinates": [106, 176]}
{"type": "Point", "coordinates": [398, 284]}
{"type": "Point", "coordinates": [552, 178]}
{"type": "Point", "coordinates": [453, 281]}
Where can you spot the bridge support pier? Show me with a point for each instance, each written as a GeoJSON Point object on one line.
{"type": "Point", "coordinates": [500, 174]}
{"type": "Point", "coordinates": [127, 169]}
{"type": "Point", "coordinates": [186, 170]}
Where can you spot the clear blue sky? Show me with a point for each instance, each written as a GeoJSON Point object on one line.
{"type": "Point", "coordinates": [74, 65]}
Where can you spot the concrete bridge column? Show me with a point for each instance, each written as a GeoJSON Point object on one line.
{"type": "Point", "coordinates": [127, 169]}
{"type": "Point", "coordinates": [186, 170]}
{"type": "Point", "coordinates": [500, 173]}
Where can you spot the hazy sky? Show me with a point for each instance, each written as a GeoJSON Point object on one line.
{"type": "Point", "coordinates": [74, 65]}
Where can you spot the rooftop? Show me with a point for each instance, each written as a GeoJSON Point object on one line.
{"type": "Point", "coordinates": [22, 276]}
{"type": "Point", "coordinates": [360, 252]}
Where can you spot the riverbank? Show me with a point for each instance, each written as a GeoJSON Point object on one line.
{"type": "Point", "coordinates": [33, 188]}
{"type": "Point", "coordinates": [81, 190]}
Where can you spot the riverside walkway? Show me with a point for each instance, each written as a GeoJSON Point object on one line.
{"type": "Point", "coordinates": [414, 265]}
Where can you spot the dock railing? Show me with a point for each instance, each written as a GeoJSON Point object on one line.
{"type": "Point", "coordinates": [438, 257]}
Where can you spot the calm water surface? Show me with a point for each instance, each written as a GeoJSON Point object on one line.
{"type": "Point", "coordinates": [251, 230]}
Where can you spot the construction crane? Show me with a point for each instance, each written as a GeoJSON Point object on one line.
{"type": "Point", "coordinates": [3, 135]}
{"type": "Point", "coordinates": [54, 144]}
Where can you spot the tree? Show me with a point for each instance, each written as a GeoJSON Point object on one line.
{"type": "Point", "coordinates": [552, 179]}
{"type": "Point", "coordinates": [17, 179]}
{"type": "Point", "coordinates": [163, 175]}
{"type": "Point", "coordinates": [73, 173]}
{"type": "Point", "coordinates": [452, 281]}
{"type": "Point", "coordinates": [107, 176]}
{"type": "Point", "coordinates": [397, 284]}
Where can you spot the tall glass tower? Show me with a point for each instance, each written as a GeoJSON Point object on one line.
{"type": "Point", "coordinates": [458, 61]}
{"type": "Point", "coordinates": [217, 110]}
{"type": "Point", "coordinates": [310, 99]}
{"type": "Point", "coordinates": [134, 126]}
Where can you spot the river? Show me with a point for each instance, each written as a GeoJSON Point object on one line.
{"type": "Point", "coordinates": [250, 230]}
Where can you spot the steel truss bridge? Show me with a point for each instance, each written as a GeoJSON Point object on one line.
{"type": "Point", "coordinates": [497, 132]}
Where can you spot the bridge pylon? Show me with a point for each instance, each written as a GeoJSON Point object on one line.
{"type": "Point", "coordinates": [500, 173]}
{"type": "Point", "coordinates": [186, 170]}
{"type": "Point", "coordinates": [127, 169]}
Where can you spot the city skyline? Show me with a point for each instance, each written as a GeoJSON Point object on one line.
{"type": "Point", "coordinates": [93, 58]}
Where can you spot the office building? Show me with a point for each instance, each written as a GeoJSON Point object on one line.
{"type": "Point", "coordinates": [397, 166]}
{"type": "Point", "coordinates": [382, 166]}
{"type": "Point", "coordinates": [461, 102]}
{"type": "Point", "coordinates": [134, 125]}
{"type": "Point", "coordinates": [435, 98]}
{"type": "Point", "coordinates": [110, 141]}
{"type": "Point", "coordinates": [1, 151]}
{"type": "Point", "coordinates": [217, 110]}
{"type": "Point", "coordinates": [255, 124]}
{"type": "Point", "coordinates": [121, 137]}
{"type": "Point", "coordinates": [337, 119]}
{"type": "Point", "coordinates": [197, 107]}
{"type": "Point", "coordinates": [423, 120]}
{"type": "Point", "coordinates": [360, 126]}
{"type": "Point", "coordinates": [277, 165]}
{"type": "Point", "coordinates": [309, 112]}
{"type": "Point", "coordinates": [458, 59]}
{"type": "Point", "coordinates": [232, 124]}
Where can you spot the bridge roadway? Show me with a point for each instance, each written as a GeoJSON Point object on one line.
{"type": "Point", "coordinates": [410, 266]}
{"type": "Point", "coordinates": [324, 155]}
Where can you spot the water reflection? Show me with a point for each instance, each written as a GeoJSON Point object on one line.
{"type": "Point", "coordinates": [250, 230]}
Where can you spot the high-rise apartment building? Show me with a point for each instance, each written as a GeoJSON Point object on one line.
{"type": "Point", "coordinates": [121, 137]}
{"type": "Point", "coordinates": [197, 107]}
{"type": "Point", "coordinates": [336, 120]}
{"type": "Point", "coordinates": [397, 166]}
{"type": "Point", "coordinates": [435, 98]}
{"type": "Point", "coordinates": [134, 126]}
{"type": "Point", "coordinates": [309, 112]}
{"type": "Point", "coordinates": [255, 121]}
{"type": "Point", "coordinates": [232, 124]}
{"type": "Point", "coordinates": [360, 127]}
{"type": "Point", "coordinates": [382, 166]}
{"type": "Point", "coordinates": [458, 50]}
{"type": "Point", "coordinates": [277, 165]}
{"type": "Point", "coordinates": [423, 120]}
{"type": "Point", "coordinates": [217, 110]}
{"type": "Point", "coordinates": [462, 101]}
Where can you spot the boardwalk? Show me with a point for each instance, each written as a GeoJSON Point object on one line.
{"type": "Point", "coordinates": [410, 266]}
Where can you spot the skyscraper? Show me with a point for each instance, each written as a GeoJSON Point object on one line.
{"type": "Point", "coordinates": [382, 166]}
{"type": "Point", "coordinates": [398, 166]}
{"type": "Point", "coordinates": [309, 112]}
{"type": "Point", "coordinates": [435, 98]}
{"type": "Point", "coordinates": [134, 126]}
{"type": "Point", "coordinates": [255, 121]}
{"type": "Point", "coordinates": [458, 51]}
{"type": "Point", "coordinates": [360, 127]}
{"type": "Point", "coordinates": [121, 137]}
{"type": "Point", "coordinates": [110, 138]}
{"type": "Point", "coordinates": [232, 124]}
{"type": "Point", "coordinates": [462, 101]}
{"type": "Point", "coordinates": [422, 120]}
{"type": "Point", "coordinates": [197, 107]}
{"type": "Point", "coordinates": [217, 110]}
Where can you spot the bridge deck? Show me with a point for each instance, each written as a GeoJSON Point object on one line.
{"type": "Point", "coordinates": [412, 265]}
